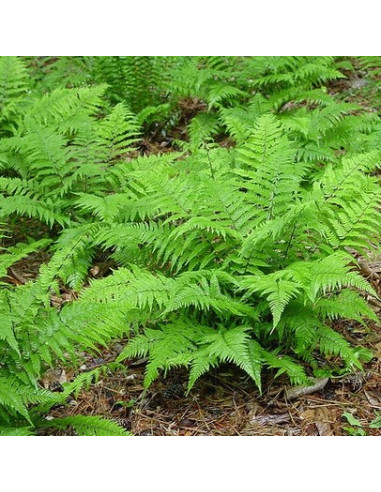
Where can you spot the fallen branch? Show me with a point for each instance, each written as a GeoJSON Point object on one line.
{"type": "Point", "coordinates": [298, 391]}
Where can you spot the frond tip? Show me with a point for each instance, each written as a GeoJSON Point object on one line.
{"type": "Point", "coordinates": [89, 426]}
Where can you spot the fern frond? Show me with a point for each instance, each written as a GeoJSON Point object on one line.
{"type": "Point", "coordinates": [232, 345]}
{"type": "Point", "coordinates": [88, 426]}
{"type": "Point", "coordinates": [118, 131]}
{"type": "Point", "coordinates": [272, 176]}
{"type": "Point", "coordinates": [16, 431]}
{"type": "Point", "coordinates": [82, 381]}
{"type": "Point", "coordinates": [139, 287]}
{"type": "Point", "coordinates": [170, 346]}
{"type": "Point", "coordinates": [287, 365]}
{"type": "Point", "coordinates": [16, 253]}
{"type": "Point", "coordinates": [348, 305]}
{"type": "Point", "coordinates": [332, 343]}
{"type": "Point", "coordinates": [65, 107]}
{"type": "Point", "coordinates": [13, 84]}
{"type": "Point", "coordinates": [278, 289]}
{"type": "Point", "coordinates": [15, 397]}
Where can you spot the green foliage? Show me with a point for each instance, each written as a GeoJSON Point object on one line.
{"type": "Point", "coordinates": [240, 254]}
{"type": "Point", "coordinates": [89, 426]}
{"type": "Point", "coordinates": [59, 148]}
{"type": "Point", "coordinates": [356, 426]}
{"type": "Point", "coordinates": [376, 422]}
{"type": "Point", "coordinates": [13, 87]}
{"type": "Point", "coordinates": [137, 81]}
{"type": "Point", "coordinates": [372, 64]}
{"type": "Point", "coordinates": [241, 241]}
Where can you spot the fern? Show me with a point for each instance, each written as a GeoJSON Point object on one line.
{"type": "Point", "coordinates": [13, 87]}
{"type": "Point", "coordinates": [230, 345]}
{"type": "Point", "coordinates": [280, 292]}
{"type": "Point", "coordinates": [58, 144]}
{"type": "Point", "coordinates": [372, 64]}
{"type": "Point", "coordinates": [134, 79]}
{"type": "Point", "coordinates": [89, 426]}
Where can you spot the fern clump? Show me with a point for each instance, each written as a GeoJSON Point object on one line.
{"type": "Point", "coordinates": [57, 148]}
{"type": "Point", "coordinates": [250, 257]}
{"type": "Point", "coordinates": [242, 253]}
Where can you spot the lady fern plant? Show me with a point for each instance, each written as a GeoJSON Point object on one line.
{"type": "Point", "coordinates": [234, 256]}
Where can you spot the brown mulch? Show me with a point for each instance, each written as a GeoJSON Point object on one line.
{"type": "Point", "coordinates": [26, 269]}
{"type": "Point", "coordinates": [357, 87]}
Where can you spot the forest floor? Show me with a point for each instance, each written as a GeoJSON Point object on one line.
{"type": "Point", "coordinates": [225, 402]}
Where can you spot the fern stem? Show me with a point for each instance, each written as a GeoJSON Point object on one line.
{"type": "Point", "coordinates": [210, 163]}
{"type": "Point", "coordinates": [290, 241]}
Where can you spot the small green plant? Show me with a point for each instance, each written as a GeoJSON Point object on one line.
{"type": "Point", "coordinates": [356, 427]}
{"type": "Point", "coordinates": [376, 422]}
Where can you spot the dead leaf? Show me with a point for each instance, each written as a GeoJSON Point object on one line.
{"type": "Point", "coordinates": [322, 423]}
{"type": "Point", "coordinates": [308, 415]}
{"type": "Point", "coordinates": [324, 429]}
